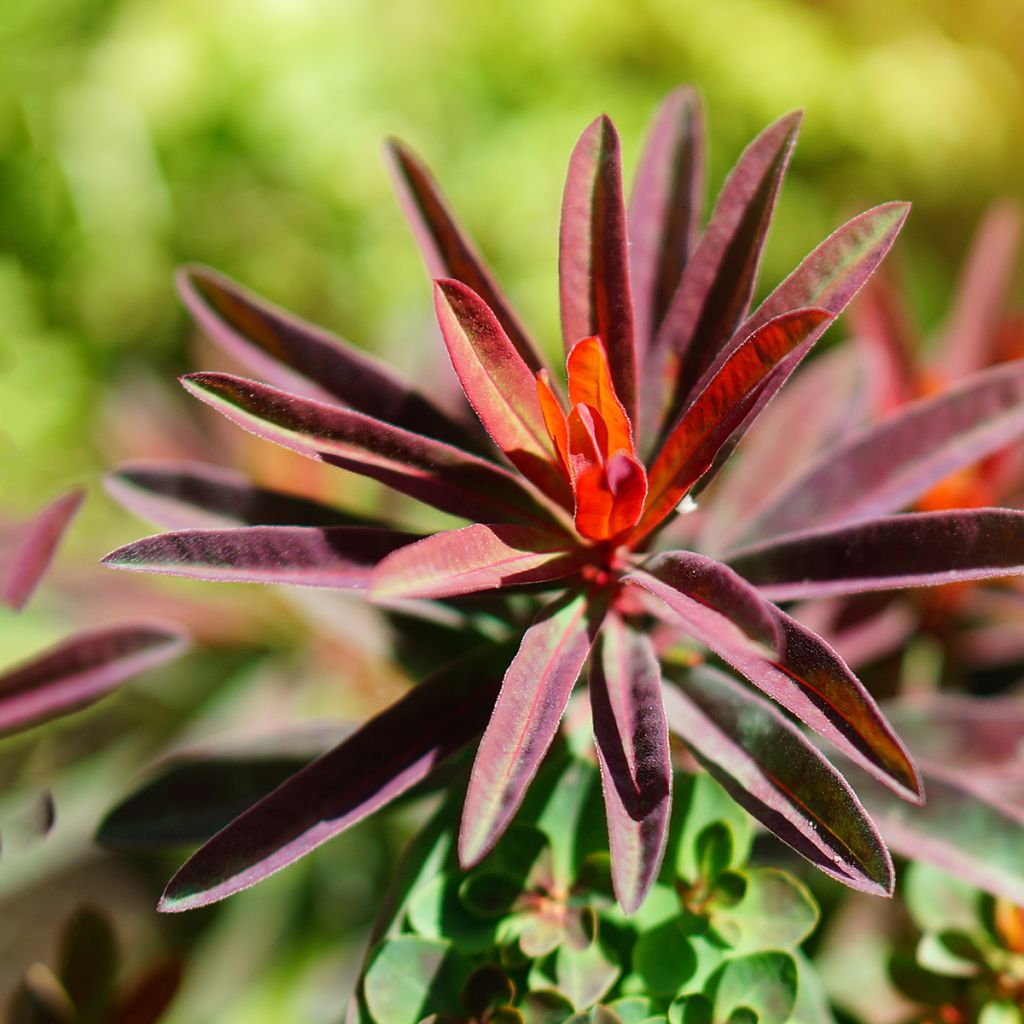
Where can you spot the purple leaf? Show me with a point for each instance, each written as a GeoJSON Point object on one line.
{"type": "Point", "coordinates": [767, 766]}
{"type": "Point", "coordinates": [476, 558]}
{"type": "Point", "coordinates": [431, 471]}
{"type": "Point", "coordinates": [916, 550]}
{"type": "Point", "coordinates": [715, 291]}
{"type": "Point", "coordinates": [665, 208]}
{"type": "Point", "coordinates": [886, 466]}
{"type": "Point", "coordinates": [807, 677]}
{"type": "Point", "coordinates": [447, 251]}
{"type": "Point", "coordinates": [631, 736]}
{"type": "Point", "coordinates": [306, 556]}
{"type": "Point", "coordinates": [29, 548]}
{"type": "Point", "coordinates": [967, 340]}
{"type": "Point", "coordinates": [500, 387]}
{"type": "Point", "coordinates": [379, 762]}
{"type": "Point", "coordinates": [299, 356]}
{"type": "Point", "coordinates": [193, 495]}
{"type": "Point", "coordinates": [533, 697]}
{"type": "Point", "coordinates": [82, 670]}
{"type": "Point", "coordinates": [593, 257]}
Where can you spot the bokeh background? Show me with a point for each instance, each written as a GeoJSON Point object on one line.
{"type": "Point", "coordinates": [246, 134]}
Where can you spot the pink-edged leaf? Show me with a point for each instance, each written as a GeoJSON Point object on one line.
{"type": "Point", "coordinates": [593, 256]}
{"type": "Point", "coordinates": [967, 339]}
{"type": "Point", "coordinates": [341, 557]}
{"type": "Point", "coordinates": [193, 495]}
{"type": "Point", "coordinates": [631, 736]}
{"type": "Point", "coordinates": [718, 410]}
{"type": "Point", "coordinates": [448, 478]}
{"type": "Point", "coordinates": [533, 697]}
{"type": "Point", "coordinates": [477, 558]}
{"type": "Point", "coordinates": [499, 385]}
{"type": "Point", "coordinates": [963, 828]}
{"type": "Point", "coordinates": [383, 759]}
{"type": "Point", "coordinates": [886, 466]}
{"type": "Point", "coordinates": [916, 550]}
{"type": "Point", "coordinates": [81, 670]}
{"type": "Point", "coordinates": [26, 550]}
{"type": "Point", "coordinates": [823, 402]}
{"type": "Point", "coordinates": [827, 279]}
{"type": "Point", "coordinates": [665, 209]}
{"type": "Point", "coordinates": [806, 676]}
{"type": "Point", "coordinates": [302, 357]}
{"type": "Point", "coordinates": [717, 285]}
{"type": "Point", "coordinates": [768, 767]}
{"type": "Point", "coordinates": [447, 249]}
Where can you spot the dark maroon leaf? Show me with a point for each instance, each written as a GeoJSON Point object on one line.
{"type": "Point", "coordinates": [88, 962]}
{"type": "Point", "coordinates": [631, 736]}
{"type": "Point", "coordinates": [447, 250]}
{"type": "Point", "coordinates": [887, 465]}
{"type": "Point", "coordinates": [806, 677]}
{"type": "Point", "coordinates": [82, 670]}
{"type": "Point", "coordinates": [383, 759]}
{"type": "Point", "coordinates": [301, 357]}
{"type": "Point", "coordinates": [447, 478]}
{"type": "Point", "coordinates": [593, 256]}
{"type": "Point", "coordinates": [767, 766]}
{"type": "Point", "coordinates": [306, 556]}
{"type": "Point", "coordinates": [29, 548]}
{"type": "Point", "coordinates": [666, 208]}
{"type": "Point", "coordinates": [917, 550]}
{"type": "Point", "coordinates": [148, 998]}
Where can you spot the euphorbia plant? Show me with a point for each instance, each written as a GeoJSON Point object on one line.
{"type": "Point", "coordinates": [570, 503]}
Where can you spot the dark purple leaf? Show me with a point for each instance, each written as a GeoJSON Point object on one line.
{"type": "Point", "coordinates": [715, 291]}
{"type": "Point", "coordinates": [81, 670]}
{"type": "Point", "coordinates": [631, 736]}
{"type": "Point", "coordinates": [593, 256]}
{"type": "Point", "coordinates": [806, 677]}
{"type": "Point", "coordinates": [301, 357]}
{"type": "Point", "coordinates": [148, 998]}
{"type": "Point", "coordinates": [916, 550]}
{"type": "Point", "coordinates": [28, 549]}
{"type": "Point", "coordinates": [447, 478]}
{"type": "Point", "coordinates": [383, 759]}
{"type": "Point", "coordinates": [447, 250]}
{"type": "Point", "coordinates": [886, 466]}
{"type": "Point", "coordinates": [533, 697]}
{"type": "Point", "coordinates": [666, 208]}
{"type": "Point", "coordinates": [767, 766]}
{"type": "Point", "coordinates": [306, 556]}
{"type": "Point", "coordinates": [195, 496]}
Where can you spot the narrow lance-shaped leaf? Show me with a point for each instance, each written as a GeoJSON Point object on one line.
{"type": "Point", "coordinates": [300, 356]}
{"type": "Point", "coordinates": [806, 676]}
{"type": "Point", "coordinates": [500, 386]}
{"type": "Point", "coordinates": [916, 550]}
{"type": "Point", "coordinates": [827, 279]}
{"type": "Point", "coordinates": [768, 767]}
{"type": "Point", "coordinates": [716, 412]}
{"type": "Point", "coordinates": [447, 250]}
{"type": "Point", "coordinates": [82, 670]}
{"type": "Point", "coordinates": [533, 697]}
{"type": "Point", "coordinates": [383, 759]}
{"type": "Point", "coordinates": [192, 495]}
{"type": "Point", "coordinates": [887, 465]}
{"type": "Point", "coordinates": [438, 474]}
{"type": "Point", "coordinates": [982, 291]}
{"type": "Point", "coordinates": [476, 558]}
{"type": "Point", "coordinates": [593, 258]}
{"type": "Point", "coordinates": [715, 291]}
{"type": "Point", "coordinates": [631, 736]}
{"type": "Point", "coordinates": [28, 551]}
{"type": "Point", "coordinates": [665, 208]}
{"type": "Point", "coordinates": [308, 556]}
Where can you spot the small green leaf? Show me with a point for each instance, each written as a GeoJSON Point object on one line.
{"type": "Point", "coordinates": [584, 975]}
{"type": "Point", "coordinates": [714, 851]}
{"type": "Point", "coordinates": [633, 1009]}
{"type": "Point", "coordinates": [762, 983]}
{"type": "Point", "coordinates": [691, 1009]}
{"type": "Point", "coordinates": [944, 955]}
{"type": "Point", "coordinates": [436, 911]}
{"type": "Point", "coordinates": [410, 978]}
{"type": "Point", "coordinates": [699, 802]}
{"type": "Point", "coordinates": [664, 958]}
{"type": "Point", "coordinates": [489, 895]}
{"type": "Point", "coordinates": [545, 1007]}
{"type": "Point", "coordinates": [488, 989]}
{"type": "Point", "coordinates": [1003, 1012]}
{"type": "Point", "coordinates": [775, 912]}
{"type": "Point", "coordinates": [938, 901]}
